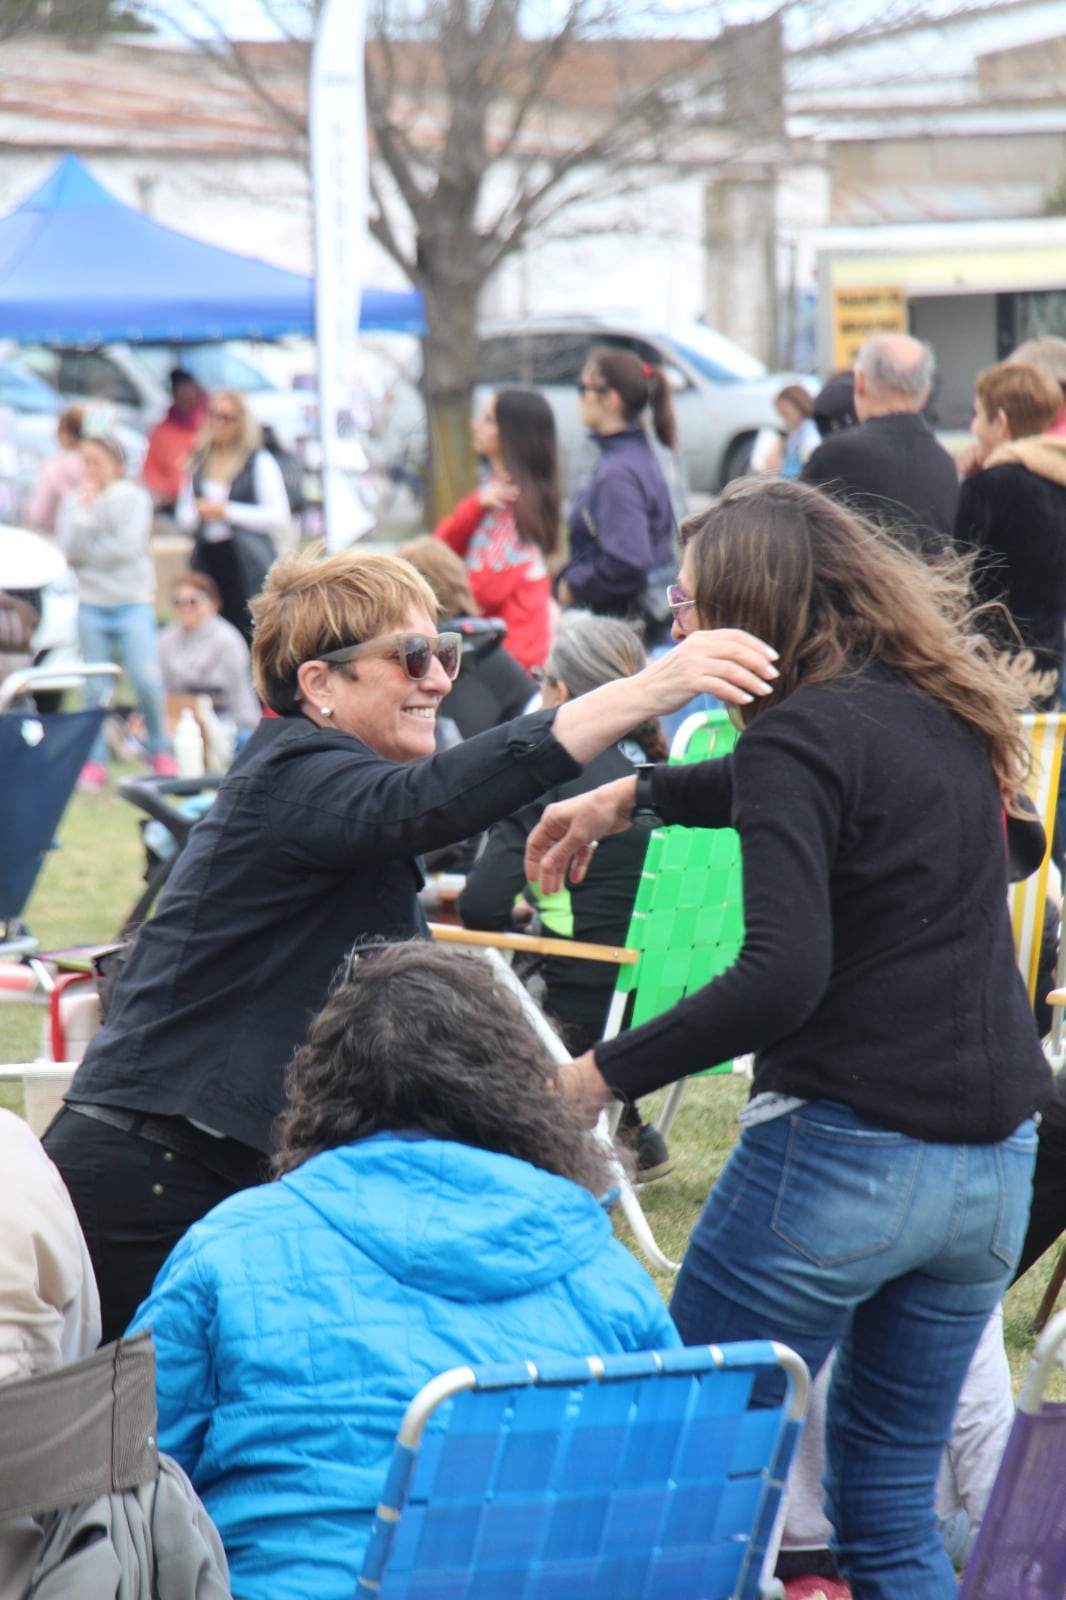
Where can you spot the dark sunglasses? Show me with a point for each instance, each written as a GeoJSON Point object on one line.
{"type": "Point", "coordinates": [414, 652]}
{"type": "Point", "coordinates": [223, 416]}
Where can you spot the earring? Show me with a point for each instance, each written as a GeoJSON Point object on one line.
{"type": "Point", "coordinates": [326, 711]}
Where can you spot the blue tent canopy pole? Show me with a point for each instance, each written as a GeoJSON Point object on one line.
{"type": "Point", "coordinates": [78, 267]}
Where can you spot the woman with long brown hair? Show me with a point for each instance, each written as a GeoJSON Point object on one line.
{"type": "Point", "coordinates": [508, 529]}
{"type": "Point", "coordinates": [877, 1199]}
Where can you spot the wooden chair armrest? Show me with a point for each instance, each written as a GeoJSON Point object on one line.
{"type": "Point", "coordinates": [575, 948]}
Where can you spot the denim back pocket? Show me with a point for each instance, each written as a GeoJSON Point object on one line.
{"type": "Point", "coordinates": [1014, 1159]}
{"type": "Point", "coordinates": [845, 1193]}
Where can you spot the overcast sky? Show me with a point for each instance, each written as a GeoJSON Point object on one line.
{"type": "Point", "coordinates": [807, 19]}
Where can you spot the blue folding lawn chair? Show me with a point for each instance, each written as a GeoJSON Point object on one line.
{"type": "Point", "coordinates": [41, 754]}
{"type": "Point", "coordinates": [629, 1477]}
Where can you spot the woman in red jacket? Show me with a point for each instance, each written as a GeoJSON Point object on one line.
{"type": "Point", "coordinates": [508, 528]}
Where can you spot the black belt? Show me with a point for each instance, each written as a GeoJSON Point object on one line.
{"type": "Point", "coordinates": [228, 1158]}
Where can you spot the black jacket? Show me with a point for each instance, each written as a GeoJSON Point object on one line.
{"type": "Point", "coordinates": [893, 470]}
{"type": "Point", "coordinates": [878, 967]}
{"type": "Point", "coordinates": [491, 687]}
{"type": "Point", "coordinates": [1013, 513]}
{"type": "Point", "coordinates": [597, 910]}
{"type": "Point", "coordinates": [310, 847]}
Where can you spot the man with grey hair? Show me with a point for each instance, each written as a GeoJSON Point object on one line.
{"type": "Point", "coordinates": [891, 466]}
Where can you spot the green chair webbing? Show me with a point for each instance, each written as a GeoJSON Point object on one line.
{"type": "Point", "coordinates": [688, 916]}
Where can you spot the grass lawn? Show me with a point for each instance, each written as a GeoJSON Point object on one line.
{"type": "Point", "coordinates": [87, 886]}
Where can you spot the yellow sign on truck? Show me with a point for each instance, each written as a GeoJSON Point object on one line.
{"type": "Point", "coordinates": [858, 313]}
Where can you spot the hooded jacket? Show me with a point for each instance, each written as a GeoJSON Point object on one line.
{"type": "Point", "coordinates": [1013, 513]}
{"type": "Point", "coordinates": [295, 1322]}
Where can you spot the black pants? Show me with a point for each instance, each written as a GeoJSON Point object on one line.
{"type": "Point", "coordinates": [135, 1199]}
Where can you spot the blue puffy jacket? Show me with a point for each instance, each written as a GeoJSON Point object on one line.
{"type": "Point", "coordinates": [296, 1321]}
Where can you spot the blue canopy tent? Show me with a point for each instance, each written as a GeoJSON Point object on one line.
{"type": "Point", "coordinates": [78, 267]}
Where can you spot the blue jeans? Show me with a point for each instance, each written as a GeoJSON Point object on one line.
{"type": "Point", "coordinates": [824, 1230]}
{"type": "Point", "coordinates": [129, 634]}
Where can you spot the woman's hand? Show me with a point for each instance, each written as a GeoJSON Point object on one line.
{"type": "Point", "coordinates": [211, 510]}
{"type": "Point", "coordinates": [969, 460]}
{"type": "Point", "coordinates": [566, 835]}
{"type": "Point", "coordinates": [727, 662]}
{"type": "Point", "coordinates": [580, 1080]}
{"type": "Point", "coordinates": [496, 494]}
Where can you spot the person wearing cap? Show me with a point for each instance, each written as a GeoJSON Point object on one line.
{"type": "Point", "coordinates": [891, 467]}
{"type": "Point", "coordinates": [172, 441]}
{"type": "Point", "coordinates": [311, 847]}
{"type": "Point", "coordinates": [103, 529]}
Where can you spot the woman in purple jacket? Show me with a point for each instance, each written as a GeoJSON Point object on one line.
{"type": "Point", "coordinates": [622, 523]}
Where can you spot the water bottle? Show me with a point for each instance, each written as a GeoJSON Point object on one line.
{"type": "Point", "coordinates": [220, 737]}
{"type": "Point", "coordinates": [189, 746]}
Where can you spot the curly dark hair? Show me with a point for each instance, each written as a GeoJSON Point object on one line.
{"type": "Point", "coordinates": [419, 1037]}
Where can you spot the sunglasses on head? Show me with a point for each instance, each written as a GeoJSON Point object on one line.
{"type": "Point", "coordinates": [414, 652]}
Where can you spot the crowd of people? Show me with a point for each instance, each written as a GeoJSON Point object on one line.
{"type": "Point", "coordinates": [322, 1159]}
{"type": "Point", "coordinates": [207, 471]}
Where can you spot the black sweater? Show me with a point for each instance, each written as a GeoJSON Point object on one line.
{"type": "Point", "coordinates": [878, 968]}
{"type": "Point", "coordinates": [1013, 513]}
{"type": "Point", "coordinates": [597, 910]}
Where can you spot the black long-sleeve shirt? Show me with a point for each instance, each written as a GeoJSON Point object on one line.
{"type": "Point", "coordinates": [598, 910]}
{"type": "Point", "coordinates": [878, 967]}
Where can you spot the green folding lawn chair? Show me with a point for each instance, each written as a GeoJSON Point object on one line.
{"type": "Point", "coordinates": [688, 917]}
{"type": "Point", "coordinates": [686, 928]}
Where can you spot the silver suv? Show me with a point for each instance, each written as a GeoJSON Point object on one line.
{"type": "Point", "coordinates": [722, 396]}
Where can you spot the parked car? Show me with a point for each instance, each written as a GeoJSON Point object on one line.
{"type": "Point", "coordinates": [722, 395]}
{"type": "Point", "coordinates": [132, 381]}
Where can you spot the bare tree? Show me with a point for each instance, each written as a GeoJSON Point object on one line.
{"type": "Point", "coordinates": [68, 17]}
{"type": "Point", "coordinates": [483, 137]}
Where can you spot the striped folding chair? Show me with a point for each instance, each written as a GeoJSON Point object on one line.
{"type": "Point", "coordinates": [1027, 899]}
{"type": "Point", "coordinates": [628, 1477]}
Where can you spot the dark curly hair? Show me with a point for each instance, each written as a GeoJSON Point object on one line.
{"type": "Point", "coordinates": [419, 1037]}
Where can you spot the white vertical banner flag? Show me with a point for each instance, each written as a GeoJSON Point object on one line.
{"type": "Point", "coordinates": [339, 187]}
